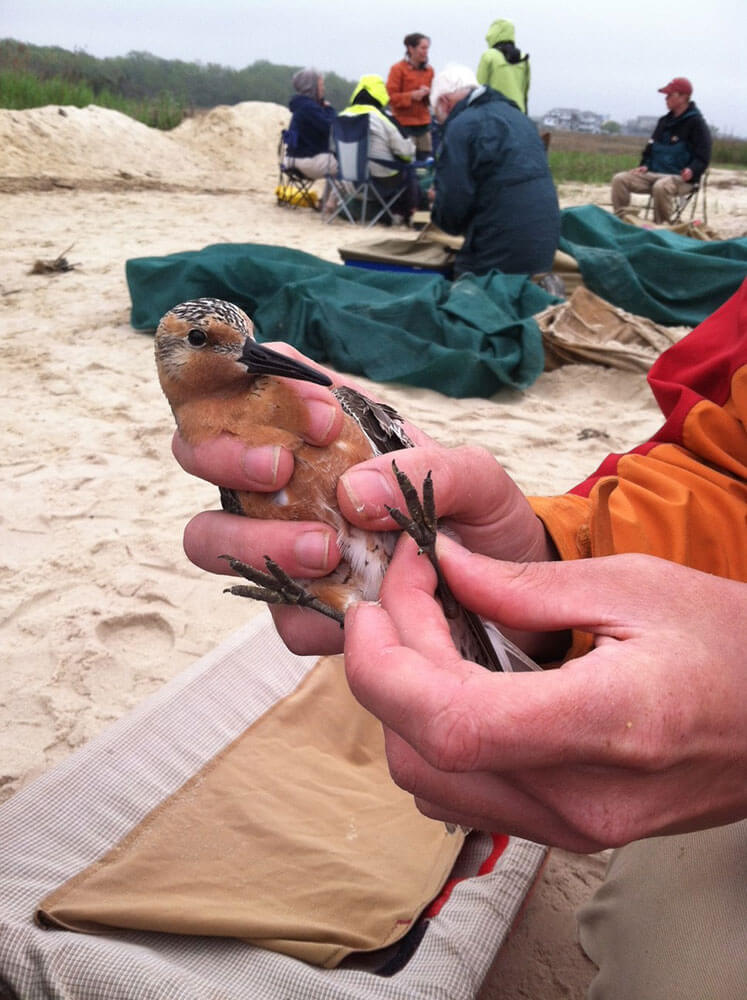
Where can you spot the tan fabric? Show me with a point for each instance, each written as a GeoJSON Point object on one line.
{"type": "Point", "coordinates": [588, 329]}
{"type": "Point", "coordinates": [421, 252]}
{"type": "Point", "coordinates": [669, 919]}
{"type": "Point", "coordinates": [695, 229]}
{"type": "Point", "coordinates": [294, 838]}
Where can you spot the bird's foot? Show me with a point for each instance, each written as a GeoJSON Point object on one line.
{"type": "Point", "coordinates": [422, 527]}
{"type": "Point", "coordinates": [276, 587]}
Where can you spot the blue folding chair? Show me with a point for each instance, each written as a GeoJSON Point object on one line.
{"type": "Point", "coordinates": [356, 188]}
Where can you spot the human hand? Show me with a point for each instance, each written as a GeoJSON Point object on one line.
{"type": "Point", "coordinates": [686, 174]}
{"type": "Point", "coordinates": [645, 735]}
{"type": "Point", "coordinates": [303, 549]}
{"type": "Point", "coordinates": [492, 516]}
{"type": "Point", "coordinates": [640, 170]}
{"type": "Point", "coordinates": [420, 93]}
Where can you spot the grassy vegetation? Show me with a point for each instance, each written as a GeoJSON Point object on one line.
{"type": "Point", "coordinates": [24, 90]}
{"type": "Point", "coordinates": [593, 159]}
{"type": "Point", "coordinates": [143, 87]}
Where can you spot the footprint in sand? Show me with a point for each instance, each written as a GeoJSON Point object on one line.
{"type": "Point", "coordinates": [132, 635]}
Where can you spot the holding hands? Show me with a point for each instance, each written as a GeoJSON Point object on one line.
{"type": "Point", "coordinates": [644, 735]}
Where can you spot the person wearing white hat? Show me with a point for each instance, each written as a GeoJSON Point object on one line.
{"type": "Point", "coordinates": [492, 181]}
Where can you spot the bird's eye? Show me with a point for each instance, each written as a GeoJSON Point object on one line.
{"type": "Point", "coordinates": [197, 338]}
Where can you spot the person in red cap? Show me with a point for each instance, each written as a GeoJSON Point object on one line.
{"type": "Point", "coordinates": [674, 158]}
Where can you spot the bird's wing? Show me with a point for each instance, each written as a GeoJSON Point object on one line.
{"type": "Point", "coordinates": [381, 424]}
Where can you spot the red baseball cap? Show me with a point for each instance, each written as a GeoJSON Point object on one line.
{"type": "Point", "coordinates": [680, 85]}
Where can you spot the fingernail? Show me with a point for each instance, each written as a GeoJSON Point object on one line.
{"type": "Point", "coordinates": [311, 549]}
{"type": "Point", "coordinates": [261, 464]}
{"type": "Point", "coordinates": [369, 491]}
{"type": "Point", "coordinates": [321, 417]}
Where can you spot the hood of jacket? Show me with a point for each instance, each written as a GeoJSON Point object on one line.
{"type": "Point", "coordinates": [500, 31]}
{"type": "Point", "coordinates": [375, 87]}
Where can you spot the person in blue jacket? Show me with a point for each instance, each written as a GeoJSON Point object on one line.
{"type": "Point", "coordinates": [492, 181]}
{"type": "Point", "coordinates": [674, 158]}
{"type": "Point", "coordinates": [308, 134]}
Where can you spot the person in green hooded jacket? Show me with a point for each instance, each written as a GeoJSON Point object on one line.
{"type": "Point", "coordinates": [503, 67]}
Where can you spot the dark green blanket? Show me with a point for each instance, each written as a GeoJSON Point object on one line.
{"type": "Point", "coordinates": [670, 278]}
{"type": "Point", "coordinates": [470, 337]}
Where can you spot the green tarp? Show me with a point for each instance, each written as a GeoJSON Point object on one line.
{"type": "Point", "coordinates": [470, 337]}
{"type": "Point", "coordinates": [670, 278]}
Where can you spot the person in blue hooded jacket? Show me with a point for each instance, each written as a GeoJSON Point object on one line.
{"type": "Point", "coordinates": [492, 180]}
{"type": "Point", "coordinates": [308, 134]}
{"type": "Point", "coordinates": [674, 158]}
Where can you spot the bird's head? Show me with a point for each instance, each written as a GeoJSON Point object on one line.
{"type": "Point", "coordinates": [207, 346]}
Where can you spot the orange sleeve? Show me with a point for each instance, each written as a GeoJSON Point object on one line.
{"type": "Point", "coordinates": [683, 495]}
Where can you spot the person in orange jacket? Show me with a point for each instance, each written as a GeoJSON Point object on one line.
{"type": "Point", "coordinates": [409, 88]}
{"type": "Point", "coordinates": [636, 581]}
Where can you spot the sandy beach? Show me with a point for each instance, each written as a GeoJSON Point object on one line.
{"type": "Point", "coordinates": [100, 606]}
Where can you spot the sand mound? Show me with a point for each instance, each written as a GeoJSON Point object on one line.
{"type": "Point", "coordinates": [234, 147]}
{"type": "Point", "coordinates": [241, 140]}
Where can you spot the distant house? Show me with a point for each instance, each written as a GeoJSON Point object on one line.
{"type": "Point", "coordinates": [642, 125]}
{"type": "Point", "coordinates": [589, 121]}
{"type": "Point", "coordinates": [563, 118]}
{"type": "Point", "coordinates": [573, 120]}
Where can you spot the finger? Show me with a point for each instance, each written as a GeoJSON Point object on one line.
{"type": "Point", "coordinates": [408, 596]}
{"type": "Point", "coordinates": [301, 548]}
{"type": "Point", "coordinates": [492, 802]}
{"type": "Point", "coordinates": [472, 491]}
{"type": "Point", "coordinates": [228, 461]}
{"type": "Point", "coordinates": [464, 719]}
{"type": "Point", "coordinates": [617, 596]}
{"type": "Point", "coordinates": [307, 390]}
{"type": "Point", "coordinates": [306, 632]}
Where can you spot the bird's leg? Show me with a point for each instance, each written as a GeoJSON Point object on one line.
{"type": "Point", "coordinates": [276, 587]}
{"type": "Point", "coordinates": [422, 526]}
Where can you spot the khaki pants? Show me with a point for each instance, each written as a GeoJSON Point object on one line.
{"type": "Point", "coordinates": [664, 188]}
{"type": "Point", "coordinates": [314, 166]}
{"type": "Point", "coordinates": [668, 922]}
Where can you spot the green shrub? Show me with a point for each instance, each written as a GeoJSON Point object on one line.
{"type": "Point", "coordinates": [19, 90]}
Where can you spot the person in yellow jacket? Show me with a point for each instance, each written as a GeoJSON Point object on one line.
{"type": "Point", "coordinates": [637, 581]}
{"type": "Point", "coordinates": [503, 67]}
{"type": "Point", "coordinates": [385, 142]}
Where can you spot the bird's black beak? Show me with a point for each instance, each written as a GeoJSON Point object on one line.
{"type": "Point", "coordinates": [261, 360]}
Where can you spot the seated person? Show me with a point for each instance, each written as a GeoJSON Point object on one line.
{"type": "Point", "coordinates": [492, 183]}
{"type": "Point", "coordinates": [385, 142]}
{"type": "Point", "coordinates": [308, 138]}
{"type": "Point", "coordinates": [674, 158]}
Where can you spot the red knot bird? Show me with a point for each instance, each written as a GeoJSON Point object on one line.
{"type": "Point", "coordinates": [218, 379]}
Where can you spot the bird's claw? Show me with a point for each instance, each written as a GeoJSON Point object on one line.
{"type": "Point", "coordinates": [422, 527]}
{"type": "Point", "coordinates": [277, 587]}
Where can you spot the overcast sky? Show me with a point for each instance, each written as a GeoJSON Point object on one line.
{"type": "Point", "coordinates": [588, 54]}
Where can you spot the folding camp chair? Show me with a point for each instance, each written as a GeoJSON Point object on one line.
{"type": "Point", "coordinates": [356, 188]}
{"type": "Point", "coordinates": [683, 200]}
{"type": "Point", "coordinates": [293, 187]}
